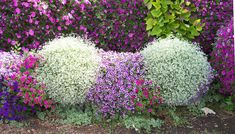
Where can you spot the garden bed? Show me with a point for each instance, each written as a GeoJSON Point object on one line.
{"type": "Point", "coordinates": [117, 66]}
{"type": "Point", "coordinates": [221, 123]}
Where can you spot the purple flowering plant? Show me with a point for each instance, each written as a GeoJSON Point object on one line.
{"type": "Point", "coordinates": [114, 86]}
{"type": "Point", "coordinates": [116, 25]}
{"type": "Point", "coordinates": [223, 58]}
{"type": "Point", "coordinates": [119, 26]}
{"type": "Point", "coordinates": [214, 14]}
{"type": "Point", "coordinates": [10, 106]}
{"type": "Point", "coordinates": [26, 23]}
{"type": "Point", "coordinates": [19, 69]}
{"type": "Point", "coordinates": [31, 91]}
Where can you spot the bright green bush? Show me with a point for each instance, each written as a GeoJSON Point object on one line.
{"type": "Point", "coordinates": [180, 68]}
{"type": "Point", "coordinates": [172, 16]}
{"type": "Point", "coordinates": [70, 69]}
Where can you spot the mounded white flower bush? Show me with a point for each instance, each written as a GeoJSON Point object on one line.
{"type": "Point", "coordinates": [180, 68]}
{"type": "Point", "coordinates": [70, 69]}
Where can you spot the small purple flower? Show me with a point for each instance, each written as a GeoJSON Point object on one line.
{"type": "Point", "coordinates": [115, 85]}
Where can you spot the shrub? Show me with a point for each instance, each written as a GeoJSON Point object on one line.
{"type": "Point", "coordinates": [180, 68]}
{"type": "Point", "coordinates": [214, 14]}
{"type": "Point", "coordinates": [115, 83]}
{"type": "Point", "coordinates": [70, 69]}
{"type": "Point", "coordinates": [23, 22]}
{"type": "Point", "coordinates": [116, 24]}
{"type": "Point", "coordinates": [147, 97]}
{"type": "Point", "coordinates": [10, 106]}
{"type": "Point", "coordinates": [167, 16]}
{"type": "Point", "coordinates": [223, 58]}
{"type": "Point", "coordinates": [30, 90]}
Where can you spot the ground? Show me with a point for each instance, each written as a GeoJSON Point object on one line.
{"type": "Point", "coordinates": [221, 123]}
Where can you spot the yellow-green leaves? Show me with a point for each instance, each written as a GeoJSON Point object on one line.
{"type": "Point", "coordinates": [172, 16]}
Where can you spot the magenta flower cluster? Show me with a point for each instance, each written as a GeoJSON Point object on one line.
{"type": "Point", "coordinates": [214, 13]}
{"type": "Point", "coordinates": [117, 25]}
{"type": "Point", "coordinates": [223, 58]}
{"type": "Point", "coordinates": [31, 91]}
{"type": "Point", "coordinates": [115, 84]}
{"type": "Point", "coordinates": [20, 90]}
{"type": "Point", "coordinates": [112, 24]}
{"type": "Point", "coordinates": [148, 98]}
{"type": "Point", "coordinates": [26, 22]}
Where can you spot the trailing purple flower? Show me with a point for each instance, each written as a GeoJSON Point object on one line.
{"type": "Point", "coordinates": [115, 86]}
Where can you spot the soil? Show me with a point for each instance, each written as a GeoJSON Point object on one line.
{"type": "Point", "coordinates": [221, 123]}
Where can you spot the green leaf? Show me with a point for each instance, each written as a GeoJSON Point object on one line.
{"type": "Point", "coordinates": [188, 3]}
{"type": "Point", "coordinates": [156, 5]}
{"type": "Point", "coordinates": [182, 1]}
{"type": "Point", "coordinates": [193, 31]}
{"type": "Point", "coordinates": [175, 25]}
{"type": "Point", "coordinates": [183, 27]}
{"type": "Point", "coordinates": [156, 13]}
{"type": "Point", "coordinates": [196, 22]}
{"type": "Point", "coordinates": [186, 15]}
{"type": "Point", "coordinates": [149, 5]}
{"type": "Point", "coordinates": [185, 11]}
{"type": "Point", "coordinates": [146, 1]}
{"type": "Point", "coordinates": [156, 31]}
{"type": "Point", "coordinates": [22, 69]}
{"type": "Point", "coordinates": [149, 23]}
{"type": "Point", "coordinates": [199, 28]}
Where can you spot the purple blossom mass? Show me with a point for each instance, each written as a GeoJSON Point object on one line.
{"type": "Point", "coordinates": [9, 63]}
{"type": "Point", "coordinates": [214, 13]}
{"type": "Point", "coordinates": [223, 58]}
{"type": "Point", "coordinates": [117, 25]}
{"type": "Point", "coordinates": [10, 106]}
{"type": "Point", "coordinates": [115, 83]}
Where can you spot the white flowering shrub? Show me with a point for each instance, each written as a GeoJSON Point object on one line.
{"type": "Point", "coordinates": [180, 68]}
{"type": "Point", "coordinates": [70, 69]}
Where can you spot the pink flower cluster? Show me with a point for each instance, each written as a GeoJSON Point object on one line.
{"type": "Point", "coordinates": [147, 98]}
{"type": "Point", "coordinates": [29, 23]}
{"type": "Point", "coordinates": [31, 91]}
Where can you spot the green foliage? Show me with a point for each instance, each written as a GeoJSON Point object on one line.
{"type": "Point", "coordinates": [16, 124]}
{"type": "Point", "coordinates": [172, 16]}
{"type": "Point", "coordinates": [142, 123]}
{"type": "Point", "coordinates": [180, 68]}
{"type": "Point", "coordinates": [229, 103]}
{"type": "Point", "coordinates": [196, 109]}
{"type": "Point", "coordinates": [74, 115]}
{"type": "Point", "coordinates": [41, 115]}
{"type": "Point", "coordinates": [178, 120]}
{"type": "Point", "coordinates": [212, 96]}
{"type": "Point", "coordinates": [70, 69]}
